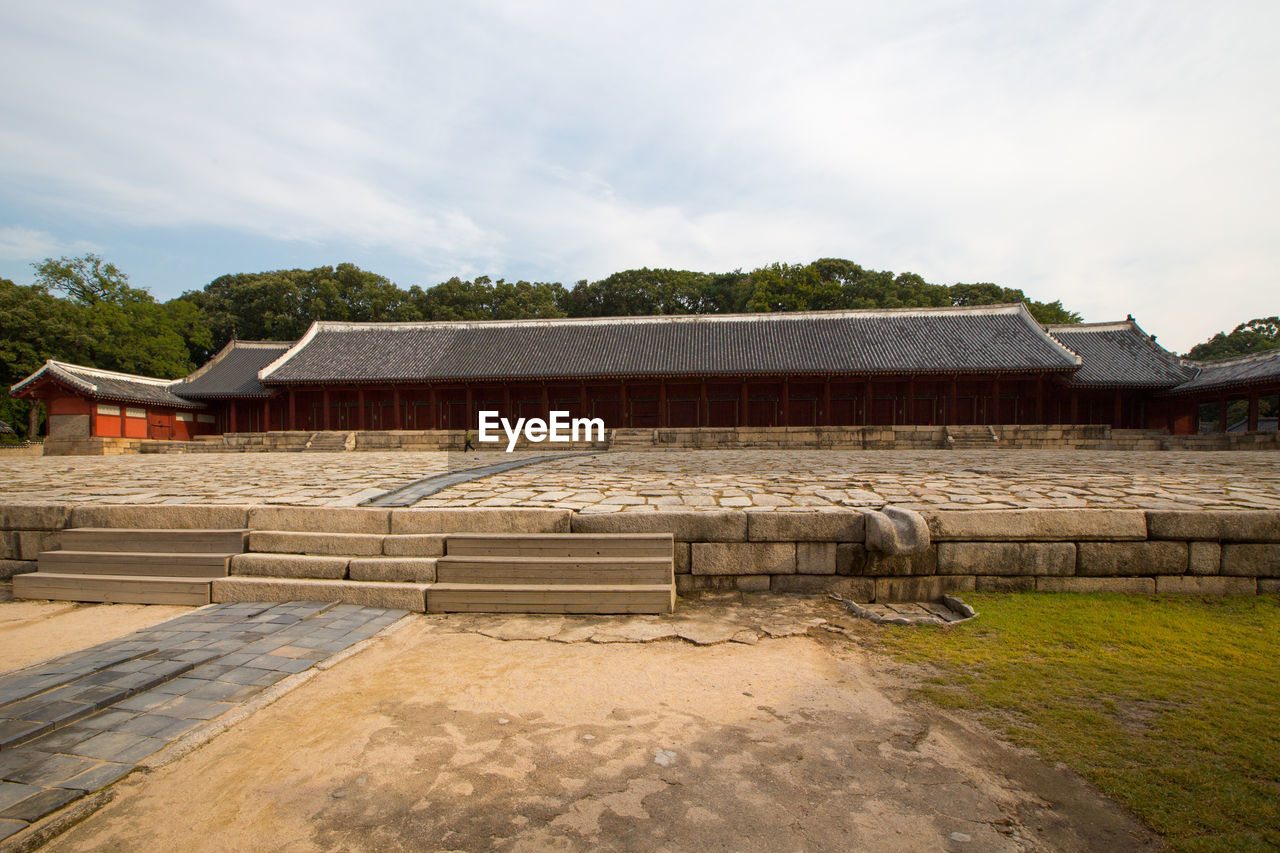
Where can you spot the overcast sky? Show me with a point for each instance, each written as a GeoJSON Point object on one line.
{"type": "Point", "coordinates": [1123, 157]}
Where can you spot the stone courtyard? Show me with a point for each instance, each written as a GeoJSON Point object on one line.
{"type": "Point", "coordinates": [753, 480]}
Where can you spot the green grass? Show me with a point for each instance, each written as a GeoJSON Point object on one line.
{"type": "Point", "coordinates": [1169, 705]}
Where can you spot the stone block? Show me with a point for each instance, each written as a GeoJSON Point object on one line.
{"type": "Point", "coordinates": [1132, 586]}
{"type": "Point", "coordinates": [480, 520]}
{"type": "Point", "coordinates": [701, 583]}
{"type": "Point", "coordinates": [710, 526]}
{"type": "Point", "coordinates": [1268, 586]}
{"type": "Point", "coordinates": [1007, 558]}
{"type": "Point", "coordinates": [1206, 558]}
{"type": "Point", "coordinates": [167, 517]}
{"type": "Point", "coordinates": [1259, 561]}
{"type": "Point", "coordinates": [31, 542]}
{"type": "Point", "coordinates": [922, 588]}
{"type": "Point", "coordinates": [681, 558]}
{"type": "Point", "coordinates": [1192, 585]}
{"type": "Point", "coordinates": [414, 545]}
{"type": "Point", "coordinates": [8, 545]}
{"type": "Point", "coordinates": [743, 558]}
{"type": "Point", "coordinates": [397, 596]}
{"type": "Point", "coordinates": [1038, 525]}
{"type": "Point", "coordinates": [1112, 559]}
{"type": "Point", "coordinates": [895, 531]}
{"type": "Point", "coordinates": [816, 558]}
{"type": "Point", "coordinates": [34, 516]}
{"type": "Point", "coordinates": [1243, 525]}
{"type": "Point", "coordinates": [1005, 583]}
{"type": "Point", "coordinates": [901, 565]}
{"type": "Point", "coordinates": [393, 569]}
{"type": "Point", "coordinates": [782, 526]}
{"type": "Point", "coordinates": [9, 568]}
{"type": "Point", "coordinates": [289, 566]}
{"type": "Point", "coordinates": [752, 583]}
{"type": "Point", "coordinates": [851, 559]}
{"type": "Point", "coordinates": [855, 589]}
{"type": "Point", "coordinates": [342, 544]}
{"type": "Point", "coordinates": [320, 519]}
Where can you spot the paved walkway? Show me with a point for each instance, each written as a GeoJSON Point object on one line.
{"type": "Point", "coordinates": [757, 480]}
{"type": "Point", "coordinates": [79, 722]}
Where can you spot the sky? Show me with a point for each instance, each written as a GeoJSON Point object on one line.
{"type": "Point", "coordinates": [1119, 156]}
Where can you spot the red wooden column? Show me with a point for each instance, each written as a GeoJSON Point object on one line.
{"type": "Point", "coordinates": [470, 414]}
{"type": "Point", "coordinates": [431, 404]}
{"type": "Point", "coordinates": [825, 420]}
{"type": "Point", "coordinates": [662, 402]}
{"type": "Point", "coordinates": [1075, 408]}
{"type": "Point", "coordinates": [910, 413]}
{"type": "Point", "coordinates": [1222, 413]}
{"type": "Point", "coordinates": [231, 417]}
{"type": "Point", "coordinates": [785, 420]}
{"type": "Point", "coordinates": [1252, 424]}
{"type": "Point", "coordinates": [1040, 399]}
{"type": "Point", "coordinates": [866, 405]}
{"type": "Point", "coordinates": [582, 400]}
{"type": "Point", "coordinates": [994, 415]}
{"type": "Point", "coordinates": [506, 400]}
{"type": "Point", "coordinates": [291, 423]}
{"type": "Point", "coordinates": [704, 416]}
{"type": "Point", "coordinates": [93, 417]}
{"type": "Point", "coordinates": [360, 408]}
{"type": "Point", "coordinates": [324, 397]}
{"type": "Point", "coordinates": [624, 416]}
{"type": "Point", "coordinates": [743, 414]}
{"type": "Point", "coordinates": [266, 415]}
{"type": "Point", "coordinates": [955, 400]}
{"type": "Point", "coordinates": [546, 401]}
{"type": "Point", "coordinates": [397, 420]}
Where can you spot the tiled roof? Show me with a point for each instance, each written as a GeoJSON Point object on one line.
{"type": "Point", "coordinates": [1254, 369]}
{"type": "Point", "coordinates": [5, 429]}
{"type": "Point", "coordinates": [109, 385]}
{"type": "Point", "coordinates": [1000, 338]}
{"type": "Point", "coordinates": [233, 372]}
{"type": "Point", "coordinates": [1119, 355]}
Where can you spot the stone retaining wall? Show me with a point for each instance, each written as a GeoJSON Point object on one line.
{"type": "Point", "coordinates": [1131, 550]}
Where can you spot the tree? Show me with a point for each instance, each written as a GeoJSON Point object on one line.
{"type": "Point", "coordinates": [88, 279]}
{"type": "Point", "coordinates": [1257, 335]}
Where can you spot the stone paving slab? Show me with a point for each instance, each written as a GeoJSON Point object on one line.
{"type": "Point", "coordinates": [120, 702]}
{"type": "Point", "coordinates": [751, 480]}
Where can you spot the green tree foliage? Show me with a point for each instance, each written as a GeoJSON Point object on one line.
{"type": "Point", "coordinates": [483, 299]}
{"type": "Point", "coordinates": [88, 279]}
{"type": "Point", "coordinates": [641, 292]}
{"type": "Point", "coordinates": [1258, 335]}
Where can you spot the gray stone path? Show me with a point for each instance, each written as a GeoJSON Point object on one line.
{"type": "Point", "coordinates": [75, 724]}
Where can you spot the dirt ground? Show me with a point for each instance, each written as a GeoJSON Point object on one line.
{"type": "Point", "coordinates": [441, 738]}
{"type": "Point", "coordinates": [32, 631]}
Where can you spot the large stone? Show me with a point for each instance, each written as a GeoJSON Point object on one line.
{"type": "Point", "coordinates": [9, 568]}
{"type": "Point", "coordinates": [1206, 558]}
{"type": "Point", "coordinates": [1259, 561]}
{"type": "Point", "coordinates": [1243, 525]}
{"type": "Point", "coordinates": [1192, 585]}
{"type": "Point", "coordinates": [1006, 558]}
{"type": "Point", "coordinates": [921, 588]}
{"type": "Point", "coordinates": [1268, 586]}
{"type": "Point", "coordinates": [743, 558]}
{"type": "Point", "coordinates": [396, 596]}
{"type": "Point", "coordinates": [414, 545]}
{"type": "Point", "coordinates": [31, 542]}
{"type": "Point", "coordinates": [752, 583]}
{"type": "Point", "coordinates": [1132, 586]}
{"type": "Point", "coordinates": [684, 526]}
{"type": "Point", "coordinates": [783, 526]}
{"type": "Point", "coordinates": [289, 566]}
{"type": "Point", "coordinates": [700, 583]}
{"type": "Point", "coordinates": [1112, 559]}
{"type": "Point", "coordinates": [320, 519]}
{"type": "Point", "coordinates": [902, 565]}
{"type": "Point", "coordinates": [393, 569]}
{"type": "Point", "coordinates": [851, 559]}
{"type": "Point", "coordinates": [167, 517]}
{"type": "Point", "coordinates": [1005, 583]}
{"type": "Point", "coordinates": [342, 544]}
{"type": "Point", "coordinates": [1038, 525]}
{"type": "Point", "coordinates": [480, 520]}
{"type": "Point", "coordinates": [895, 531]}
{"type": "Point", "coordinates": [681, 558]}
{"type": "Point", "coordinates": [816, 558]}
{"type": "Point", "coordinates": [34, 516]}
{"type": "Point", "coordinates": [856, 589]}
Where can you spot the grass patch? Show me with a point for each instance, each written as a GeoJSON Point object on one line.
{"type": "Point", "coordinates": [1170, 705]}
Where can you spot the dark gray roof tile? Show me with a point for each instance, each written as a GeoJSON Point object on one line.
{"type": "Point", "coordinates": [233, 372]}
{"type": "Point", "coordinates": [1119, 355]}
{"type": "Point", "coordinates": [109, 385]}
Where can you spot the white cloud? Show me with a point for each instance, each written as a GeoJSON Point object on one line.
{"type": "Point", "coordinates": [1115, 156]}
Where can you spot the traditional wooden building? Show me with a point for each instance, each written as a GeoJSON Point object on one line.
{"type": "Point", "coordinates": [939, 366]}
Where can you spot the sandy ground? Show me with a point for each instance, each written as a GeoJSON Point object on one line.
{"type": "Point", "coordinates": [33, 631]}
{"type": "Point", "coordinates": [439, 738]}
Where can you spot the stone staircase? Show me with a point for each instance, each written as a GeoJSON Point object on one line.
{"type": "Point", "coordinates": [971, 437]}
{"type": "Point", "coordinates": [331, 442]}
{"type": "Point", "coordinates": [132, 566]}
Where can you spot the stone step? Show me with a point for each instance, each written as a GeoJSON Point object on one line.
{"type": "Point", "coordinates": [142, 564]}
{"type": "Point", "coordinates": [622, 545]}
{"type": "Point", "coordinates": [555, 570]}
{"type": "Point", "coordinates": [117, 589]}
{"type": "Point", "coordinates": [161, 541]}
{"type": "Point", "coordinates": [397, 596]}
{"type": "Point", "coordinates": [293, 542]}
{"type": "Point", "coordinates": [550, 598]}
